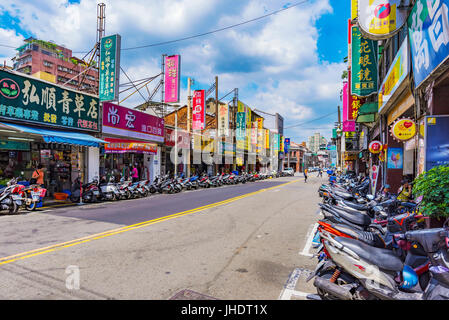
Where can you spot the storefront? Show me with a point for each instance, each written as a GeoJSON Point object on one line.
{"type": "Point", "coordinates": [48, 125]}
{"type": "Point", "coordinates": [134, 139]}
{"type": "Point", "coordinates": [398, 123]}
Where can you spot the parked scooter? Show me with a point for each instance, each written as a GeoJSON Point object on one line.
{"type": "Point", "coordinates": [89, 191]}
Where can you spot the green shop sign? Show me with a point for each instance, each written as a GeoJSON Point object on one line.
{"type": "Point", "coordinates": [363, 65]}
{"type": "Point", "coordinates": [109, 68]}
{"type": "Point", "coordinates": [240, 130]}
{"type": "Point", "coordinates": [31, 100]}
{"type": "Point", "coordinates": [14, 145]}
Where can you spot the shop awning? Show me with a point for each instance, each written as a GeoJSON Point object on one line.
{"type": "Point", "coordinates": [54, 136]}
{"type": "Point", "coordinates": [367, 112]}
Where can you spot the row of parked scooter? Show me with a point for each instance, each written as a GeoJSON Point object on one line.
{"type": "Point", "coordinates": [109, 190]}
{"type": "Point", "coordinates": [15, 196]}
{"type": "Point", "coordinates": [376, 247]}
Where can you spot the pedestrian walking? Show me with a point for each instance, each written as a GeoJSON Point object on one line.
{"type": "Point", "coordinates": [320, 173]}
{"type": "Point", "coordinates": [305, 175]}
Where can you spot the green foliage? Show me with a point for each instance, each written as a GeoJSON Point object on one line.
{"type": "Point", "coordinates": [433, 185]}
{"type": "Point", "coordinates": [344, 75]}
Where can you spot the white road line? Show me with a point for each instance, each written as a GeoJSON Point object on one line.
{"type": "Point", "coordinates": [310, 235]}
{"type": "Point", "coordinates": [289, 287]}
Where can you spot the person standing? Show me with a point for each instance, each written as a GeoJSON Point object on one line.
{"type": "Point", "coordinates": [305, 175]}
{"type": "Point", "coordinates": [38, 176]}
{"type": "Point", "coordinates": [135, 174]}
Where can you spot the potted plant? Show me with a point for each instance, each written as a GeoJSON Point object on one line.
{"type": "Point", "coordinates": [433, 186]}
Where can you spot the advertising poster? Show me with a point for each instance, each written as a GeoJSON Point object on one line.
{"type": "Point", "coordinates": [436, 141]}
{"type": "Point", "coordinates": [240, 130]}
{"type": "Point", "coordinates": [395, 158]}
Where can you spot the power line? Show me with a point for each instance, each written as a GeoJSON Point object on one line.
{"type": "Point", "coordinates": [300, 124]}
{"type": "Point", "coordinates": [201, 34]}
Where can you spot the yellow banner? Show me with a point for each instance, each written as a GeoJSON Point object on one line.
{"type": "Point", "coordinates": [259, 123]}
{"type": "Point", "coordinates": [354, 8]}
{"type": "Point", "coordinates": [240, 106]}
{"type": "Point", "coordinates": [267, 139]}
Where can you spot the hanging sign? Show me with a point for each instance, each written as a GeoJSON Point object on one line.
{"type": "Point", "coordinates": [375, 147]}
{"type": "Point", "coordinates": [199, 110]}
{"type": "Point", "coordinates": [223, 120]}
{"type": "Point", "coordinates": [109, 73]}
{"type": "Point", "coordinates": [363, 64]}
{"type": "Point", "coordinates": [171, 78]}
{"type": "Point", "coordinates": [286, 145]}
{"type": "Point", "coordinates": [240, 130]}
{"type": "Point", "coordinates": [381, 19]}
{"type": "Point", "coordinates": [403, 129]}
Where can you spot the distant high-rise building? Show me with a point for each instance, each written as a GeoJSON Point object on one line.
{"type": "Point", "coordinates": [317, 143]}
{"type": "Point", "coordinates": [51, 62]}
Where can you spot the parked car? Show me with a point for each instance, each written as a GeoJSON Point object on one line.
{"type": "Point", "coordinates": [289, 172]}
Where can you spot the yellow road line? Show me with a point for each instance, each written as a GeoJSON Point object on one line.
{"type": "Point", "coordinates": [58, 246]}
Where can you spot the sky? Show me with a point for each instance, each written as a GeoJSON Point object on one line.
{"type": "Point", "coordinates": [290, 62]}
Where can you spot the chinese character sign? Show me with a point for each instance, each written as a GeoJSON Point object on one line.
{"type": "Point", "coordinates": [363, 64]}
{"type": "Point", "coordinates": [31, 100]}
{"type": "Point", "coordinates": [428, 25]}
{"type": "Point", "coordinates": [130, 123]}
{"type": "Point", "coordinates": [397, 73]}
{"type": "Point", "coordinates": [223, 120]}
{"type": "Point", "coordinates": [199, 110]}
{"type": "Point", "coordinates": [240, 130]}
{"type": "Point", "coordinates": [109, 68]}
{"type": "Point", "coordinates": [171, 78]}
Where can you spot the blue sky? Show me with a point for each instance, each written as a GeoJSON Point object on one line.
{"type": "Point", "coordinates": [289, 63]}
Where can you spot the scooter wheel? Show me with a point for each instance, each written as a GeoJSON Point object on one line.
{"type": "Point", "coordinates": [13, 208]}
{"type": "Point", "coordinates": [31, 207]}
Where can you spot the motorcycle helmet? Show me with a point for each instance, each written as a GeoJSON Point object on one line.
{"type": "Point", "coordinates": [409, 278]}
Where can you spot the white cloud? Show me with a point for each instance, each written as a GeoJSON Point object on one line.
{"type": "Point", "coordinates": [273, 61]}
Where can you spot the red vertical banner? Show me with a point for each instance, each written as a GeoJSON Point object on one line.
{"type": "Point", "coordinates": [199, 110]}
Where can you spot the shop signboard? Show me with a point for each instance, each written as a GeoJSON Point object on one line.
{"type": "Point", "coordinates": [223, 120]}
{"type": "Point", "coordinates": [121, 121]}
{"type": "Point", "coordinates": [14, 145]}
{"type": "Point", "coordinates": [254, 133]}
{"type": "Point", "coordinates": [381, 19]}
{"type": "Point", "coordinates": [436, 141]}
{"type": "Point", "coordinates": [267, 139]}
{"type": "Point", "coordinates": [286, 145]}
{"type": "Point", "coordinates": [240, 130]}
{"type": "Point", "coordinates": [171, 78]}
{"type": "Point", "coordinates": [395, 158]}
{"type": "Point", "coordinates": [397, 73]}
{"type": "Point", "coordinates": [199, 110]}
{"type": "Point", "coordinates": [375, 147]}
{"type": "Point", "coordinates": [403, 129]}
{"type": "Point", "coordinates": [428, 26]}
{"type": "Point", "coordinates": [27, 99]}
{"type": "Point", "coordinates": [363, 64]}
{"type": "Point", "coordinates": [109, 73]}
{"type": "Point", "coordinates": [276, 142]}
{"type": "Point", "coordinates": [127, 146]}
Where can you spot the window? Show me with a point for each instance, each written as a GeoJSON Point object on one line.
{"type": "Point", "coordinates": [48, 53]}
{"type": "Point", "coordinates": [47, 64]}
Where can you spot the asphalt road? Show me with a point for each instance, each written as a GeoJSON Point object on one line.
{"type": "Point", "coordinates": [236, 242]}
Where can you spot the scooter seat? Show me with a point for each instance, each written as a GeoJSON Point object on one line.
{"type": "Point", "coordinates": [370, 238]}
{"type": "Point", "coordinates": [383, 258]}
{"type": "Point", "coordinates": [355, 217]}
{"type": "Point", "coordinates": [356, 206]}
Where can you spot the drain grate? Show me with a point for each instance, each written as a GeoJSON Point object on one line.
{"type": "Point", "coordinates": [191, 295]}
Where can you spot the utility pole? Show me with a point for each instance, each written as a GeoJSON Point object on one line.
{"type": "Point", "coordinates": [216, 116]}
{"type": "Point", "coordinates": [189, 106]}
